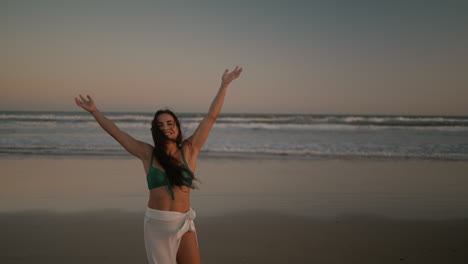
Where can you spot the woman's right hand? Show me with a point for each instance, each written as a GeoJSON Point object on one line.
{"type": "Point", "coordinates": [87, 105]}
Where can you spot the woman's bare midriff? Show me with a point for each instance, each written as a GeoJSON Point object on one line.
{"type": "Point", "coordinates": [160, 199]}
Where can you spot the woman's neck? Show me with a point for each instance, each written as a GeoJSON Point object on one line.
{"type": "Point", "coordinates": [171, 148]}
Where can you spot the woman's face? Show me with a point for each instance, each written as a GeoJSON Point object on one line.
{"type": "Point", "coordinates": [168, 126]}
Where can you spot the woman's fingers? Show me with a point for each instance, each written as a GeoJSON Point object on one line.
{"type": "Point", "coordinates": [229, 76]}
{"type": "Point", "coordinates": [82, 99]}
{"type": "Point", "coordinates": [237, 70]}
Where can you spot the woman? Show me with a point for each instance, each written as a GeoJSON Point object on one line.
{"type": "Point", "coordinates": [169, 230]}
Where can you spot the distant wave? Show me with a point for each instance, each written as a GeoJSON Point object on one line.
{"type": "Point", "coordinates": [64, 152]}
{"type": "Point", "coordinates": [405, 121]}
{"type": "Point", "coordinates": [242, 119]}
{"type": "Point", "coordinates": [91, 124]}
{"type": "Point", "coordinates": [301, 136]}
{"type": "Point", "coordinates": [69, 117]}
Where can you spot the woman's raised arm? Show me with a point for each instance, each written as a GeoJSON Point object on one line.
{"type": "Point", "coordinates": [203, 130]}
{"type": "Point", "coordinates": [137, 148]}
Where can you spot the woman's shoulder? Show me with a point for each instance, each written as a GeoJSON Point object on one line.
{"type": "Point", "coordinates": [148, 151]}
{"type": "Point", "coordinates": [189, 151]}
{"type": "Point", "coordinates": [186, 146]}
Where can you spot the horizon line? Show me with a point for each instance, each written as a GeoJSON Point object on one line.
{"type": "Point", "coordinates": [240, 113]}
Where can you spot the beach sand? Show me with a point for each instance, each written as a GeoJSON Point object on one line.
{"type": "Point", "coordinates": [248, 211]}
{"type": "Point", "coordinates": [241, 237]}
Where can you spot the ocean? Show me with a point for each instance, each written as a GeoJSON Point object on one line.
{"type": "Point", "coordinates": [299, 136]}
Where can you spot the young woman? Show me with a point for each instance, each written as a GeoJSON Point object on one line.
{"type": "Point", "coordinates": [169, 230]}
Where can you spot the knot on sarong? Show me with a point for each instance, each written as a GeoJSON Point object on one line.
{"type": "Point", "coordinates": [188, 225]}
{"type": "Point", "coordinates": [190, 215]}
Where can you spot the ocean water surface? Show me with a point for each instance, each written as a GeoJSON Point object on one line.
{"type": "Point", "coordinates": [305, 136]}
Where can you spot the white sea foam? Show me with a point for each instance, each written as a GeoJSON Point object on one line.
{"type": "Point", "coordinates": [46, 117]}
{"type": "Point", "coordinates": [92, 124]}
{"type": "Point", "coordinates": [300, 135]}
{"type": "Point", "coordinates": [401, 119]}
{"type": "Point", "coordinates": [132, 117]}
{"type": "Point", "coordinates": [431, 119]}
{"type": "Point", "coordinates": [256, 119]}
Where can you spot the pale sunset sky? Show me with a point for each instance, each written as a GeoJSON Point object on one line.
{"type": "Point", "coordinates": [312, 57]}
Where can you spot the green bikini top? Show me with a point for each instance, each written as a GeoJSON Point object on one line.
{"type": "Point", "coordinates": [157, 178]}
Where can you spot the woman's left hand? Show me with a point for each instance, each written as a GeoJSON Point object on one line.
{"type": "Point", "coordinates": [228, 77]}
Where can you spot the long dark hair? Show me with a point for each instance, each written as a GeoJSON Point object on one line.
{"type": "Point", "coordinates": [170, 164]}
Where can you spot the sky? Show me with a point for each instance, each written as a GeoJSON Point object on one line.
{"type": "Point", "coordinates": [312, 57]}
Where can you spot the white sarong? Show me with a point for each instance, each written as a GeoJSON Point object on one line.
{"type": "Point", "coordinates": [162, 233]}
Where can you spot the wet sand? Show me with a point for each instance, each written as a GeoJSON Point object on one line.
{"type": "Point", "coordinates": [242, 237]}
{"type": "Point", "coordinates": [248, 211]}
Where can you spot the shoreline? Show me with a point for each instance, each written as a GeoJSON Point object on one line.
{"type": "Point", "coordinates": [122, 155]}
